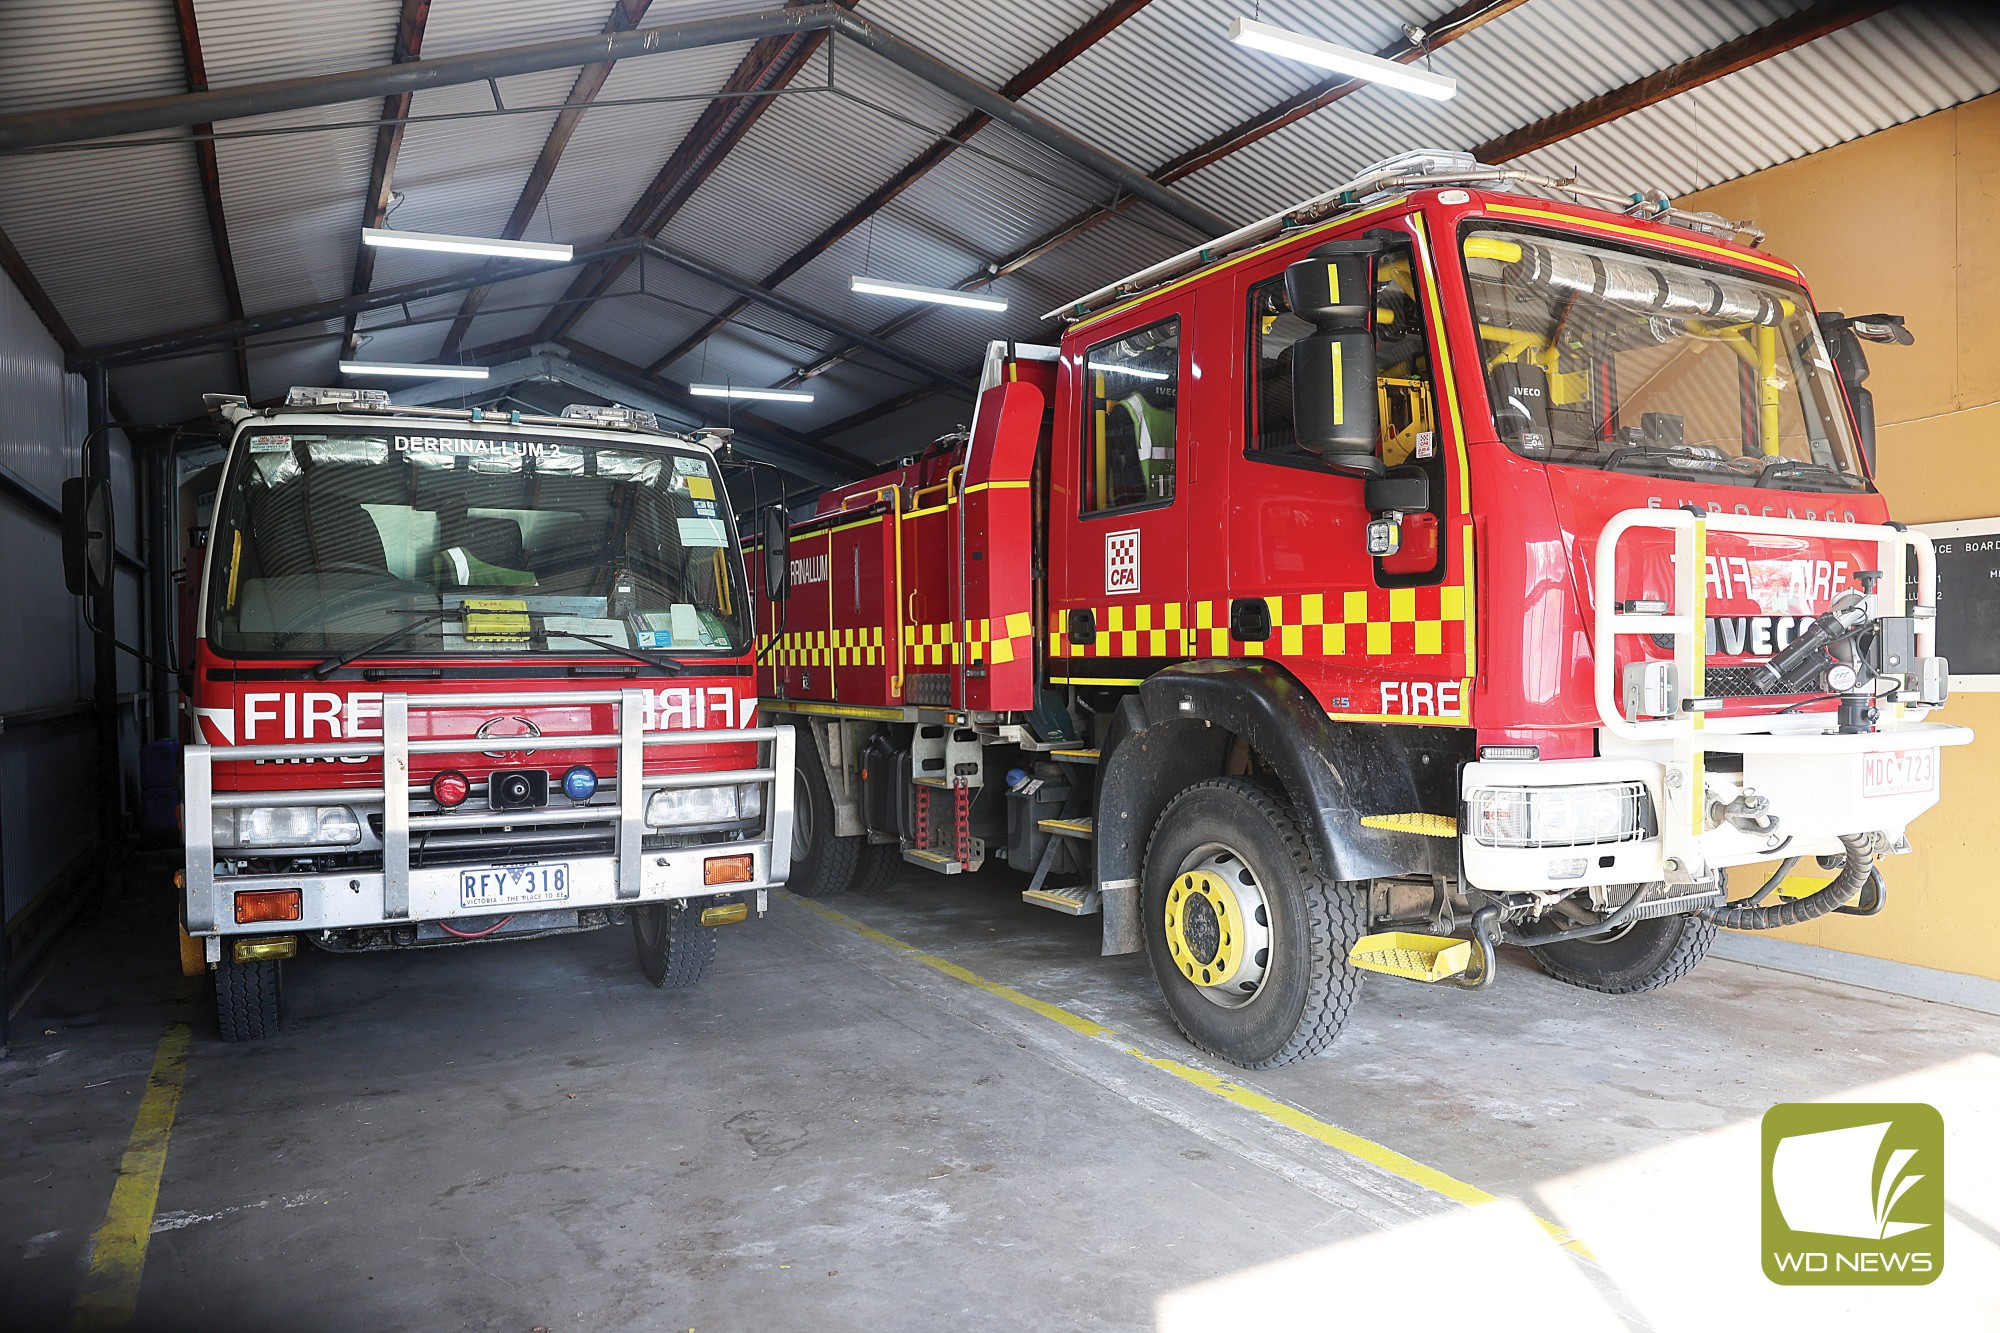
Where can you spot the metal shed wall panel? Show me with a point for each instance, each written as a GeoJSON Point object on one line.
{"type": "Point", "coordinates": [281, 360]}
{"type": "Point", "coordinates": [118, 237]}
{"type": "Point", "coordinates": [61, 54]}
{"type": "Point", "coordinates": [171, 390]}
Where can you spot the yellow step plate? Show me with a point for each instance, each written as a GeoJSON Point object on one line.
{"type": "Point", "coordinates": [1804, 886]}
{"type": "Point", "coordinates": [1401, 953]}
{"type": "Point", "coordinates": [1426, 826]}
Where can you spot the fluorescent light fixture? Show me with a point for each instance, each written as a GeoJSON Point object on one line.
{"type": "Point", "coordinates": [413, 371]}
{"type": "Point", "coordinates": [1107, 368]}
{"type": "Point", "coordinates": [939, 295]}
{"type": "Point", "coordinates": [761, 395]}
{"type": "Point", "coordinates": [1341, 59]}
{"type": "Point", "coordinates": [465, 245]}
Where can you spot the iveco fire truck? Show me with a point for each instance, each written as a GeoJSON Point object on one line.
{"type": "Point", "coordinates": [1459, 558]}
{"type": "Point", "coordinates": [468, 675]}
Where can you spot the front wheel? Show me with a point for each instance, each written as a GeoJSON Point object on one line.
{"type": "Point", "coordinates": [1642, 956]}
{"type": "Point", "coordinates": [675, 949]}
{"type": "Point", "coordinates": [247, 999]}
{"type": "Point", "coordinates": [822, 864]}
{"type": "Point", "coordinates": [1248, 941]}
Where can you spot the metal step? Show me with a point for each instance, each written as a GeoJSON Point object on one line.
{"type": "Point", "coordinates": [1067, 828]}
{"type": "Point", "coordinates": [935, 860]}
{"type": "Point", "coordinates": [1078, 901]}
{"type": "Point", "coordinates": [1075, 756]}
{"type": "Point", "coordinates": [1401, 953]}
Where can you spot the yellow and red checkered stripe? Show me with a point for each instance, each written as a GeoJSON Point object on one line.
{"type": "Point", "coordinates": [860, 646]}
{"type": "Point", "coordinates": [951, 642]}
{"type": "Point", "coordinates": [1371, 622]}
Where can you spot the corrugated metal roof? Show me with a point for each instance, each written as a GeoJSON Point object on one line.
{"type": "Point", "coordinates": [1881, 72]}
{"type": "Point", "coordinates": [62, 54]}
{"type": "Point", "coordinates": [119, 238]}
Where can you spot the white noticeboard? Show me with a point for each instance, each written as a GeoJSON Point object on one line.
{"type": "Point", "coordinates": [1968, 600]}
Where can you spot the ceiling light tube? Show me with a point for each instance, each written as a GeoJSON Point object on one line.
{"type": "Point", "coordinates": [1341, 59]}
{"type": "Point", "coordinates": [466, 245]}
{"type": "Point", "coordinates": [761, 395]}
{"type": "Point", "coordinates": [939, 295]}
{"type": "Point", "coordinates": [413, 371]}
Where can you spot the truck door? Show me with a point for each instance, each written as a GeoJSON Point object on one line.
{"type": "Point", "coordinates": [1374, 637]}
{"type": "Point", "coordinates": [1118, 543]}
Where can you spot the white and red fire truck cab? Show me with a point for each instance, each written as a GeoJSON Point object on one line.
{"type": "Point", "coordinates": [469, 675]}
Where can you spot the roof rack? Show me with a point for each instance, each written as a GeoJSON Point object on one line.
{"type": "Point", "coordinates": [1422, 169]}
{"type": "Point", "coordinates": [375, 402]}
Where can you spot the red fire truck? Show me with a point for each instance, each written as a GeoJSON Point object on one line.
{"type": "Point", "coordinates": [1449, 561]}
{"type": "Point", "coordinates": [467, 675]}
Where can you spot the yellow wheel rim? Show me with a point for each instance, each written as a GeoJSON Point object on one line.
{"type": "Point", "coordinates": [1204, 928]}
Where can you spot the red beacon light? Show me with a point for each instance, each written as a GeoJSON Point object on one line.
{"type": "Point", "coordinates": [450, 788]}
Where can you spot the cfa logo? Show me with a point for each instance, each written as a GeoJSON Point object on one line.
{"type": "Point", "coordinates": [1121, 562]}
{"type": "Point", "coordinates": [1853, 1194]}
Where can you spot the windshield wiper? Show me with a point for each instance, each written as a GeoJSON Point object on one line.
{"type": "Point", "coordinates": [335, 663]}
{"type": "Point", "coordinates": [1788, 470]}
{"type": "Point", "coordinates": [672, 666]}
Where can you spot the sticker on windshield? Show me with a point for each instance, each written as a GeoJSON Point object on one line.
{"type": "Point", "coordinates": [701, 488]}
{"type": "Point", "coordinates": [705, 508]}
{"type": "Point", "coordinates": [703, 532]}
{"type": "Point", "coordinates": [690, 467]}
{"type": "Point", "coordinates": [270, 441]}
{"type": "Point", "coordinates": [491, 621]}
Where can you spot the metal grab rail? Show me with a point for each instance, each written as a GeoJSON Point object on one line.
{"type": "Point", "coordinates": [1687, 617]}
{"type": "Point", "coordinates": [396, 747]}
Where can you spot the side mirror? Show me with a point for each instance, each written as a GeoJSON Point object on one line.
{"type": "Point", "coordinates": [1844, 336]}
{"type": "Point", "coordinates": [1334, 409]}
{"type": "Point", "coordinates": [86, 536]}
{"type": "Point", "coordinates": [1389, 497]}
{"type": "Point", "coordinates": [777, 540]}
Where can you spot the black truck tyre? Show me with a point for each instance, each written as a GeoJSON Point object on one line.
{"type": "Point", "coordinates": [1248, 941]}
{"type": "Point", "coordinates": [675, 949]}
{"type": "Point", "coordinates": [1643, 956]}
{"type": "Point", "coordinates": [880, 863]}
{"type": "Point", "coordinates": [822, 865]}
{"type": "Point", "coordinates": [247, 999]}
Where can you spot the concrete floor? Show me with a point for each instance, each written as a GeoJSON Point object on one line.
{"type": "Point", "coordinates": [833, 1133]}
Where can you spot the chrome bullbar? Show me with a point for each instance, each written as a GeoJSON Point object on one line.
{"type": "Point", "coordinates": [399, 893]}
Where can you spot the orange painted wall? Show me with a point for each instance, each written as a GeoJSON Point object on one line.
{"type": "Point", "coordinates": [1908, 221]}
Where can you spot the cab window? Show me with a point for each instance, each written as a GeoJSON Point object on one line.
{"type": "Point", "coordinates": [1131, 407]}
{"type": "Point", "coordinates": [1405, 393]}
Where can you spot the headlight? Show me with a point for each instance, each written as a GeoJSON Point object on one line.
{"type": "Point", "coordinates": [1561, 816]}
{"type": "Point", "coordinates": [692, 805]}
{"type": "Point", "coordinates": [287, 826]}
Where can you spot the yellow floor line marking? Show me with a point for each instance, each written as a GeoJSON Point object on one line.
{"type": "Point", "coordinates": [118, 1248]}
{"type": "Point", "coordinates": [1250, 1099]}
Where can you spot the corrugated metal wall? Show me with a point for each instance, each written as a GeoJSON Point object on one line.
{"type": "Point", "coordinates": [46, 743]}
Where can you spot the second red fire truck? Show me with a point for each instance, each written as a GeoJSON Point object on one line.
{"type": "Point", "coordinates": [1434, 566]}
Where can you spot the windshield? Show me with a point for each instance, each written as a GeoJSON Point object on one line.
{"type": "Point", "coordinates": [1602, 358]}
{"type": "Point", "coordinates": [329, 539]}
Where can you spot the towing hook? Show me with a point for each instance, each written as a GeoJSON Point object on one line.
{"type": "Point", "coordinates": [1480, 974]}
{"type": "Point", "coordinates": [1748, 813]}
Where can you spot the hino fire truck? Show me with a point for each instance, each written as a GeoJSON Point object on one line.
{"type": "Point", "coordinates": [467, 675]}
{"type": "Point", "coordinates": [1459, 558]}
